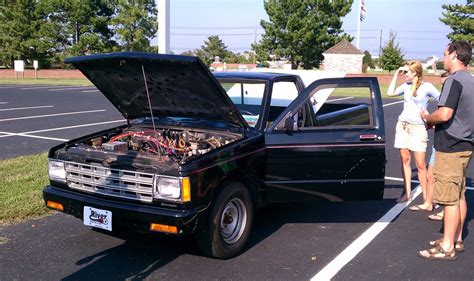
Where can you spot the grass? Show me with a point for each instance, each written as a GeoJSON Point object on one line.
{"type": "Point", "coordinates": [47, 81]}
{"type": "Point", "coordinates": [362, 92]}
{"type": "Point", "coordinates": [21, 183]}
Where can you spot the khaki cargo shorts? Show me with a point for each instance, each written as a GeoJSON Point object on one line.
{"type": "Point", "coordinates": [411, 136]}
{"type": "Point", "coordinates": [450, 176]}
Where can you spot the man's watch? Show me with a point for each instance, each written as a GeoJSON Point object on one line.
{"type": "Point", "coordinates": [424, 117]}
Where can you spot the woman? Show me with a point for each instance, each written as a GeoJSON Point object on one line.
{"type": "Point", "coordinates": [411, 134]}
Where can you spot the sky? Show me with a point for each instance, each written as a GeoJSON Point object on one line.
{"type": "Point", "coordinates": [419, 32]}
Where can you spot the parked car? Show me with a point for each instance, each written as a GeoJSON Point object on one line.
{"type": "Point", "coordinates": [202, 151]}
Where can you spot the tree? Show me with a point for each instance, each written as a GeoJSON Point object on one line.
{"type": "Point", "coordinates": [301, 30]}
{"type": "Point", "coordinates": [231, 57]}
{"type": "Point", "coordinates": [18, 36]}
{"type": "Point", "coordinates": [367, 59]}
{"type": "Point", "coordinates": [135, 24]}
{"type": "Point", "coordinates": [262, 54]}
{"type": "Point", "coordinates": [77, 27]}
{"type": "Point", "coordinates": [392, 56]}
{"type": "Point", "coordinates": [460, 19]}
{"type": "Point", "coordinates": [198, 53]}
{"type": "Point", "coordinates": [213, 47]}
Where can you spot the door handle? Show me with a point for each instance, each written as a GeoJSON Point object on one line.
{"type": "Point", "coordinates": [369, 137]}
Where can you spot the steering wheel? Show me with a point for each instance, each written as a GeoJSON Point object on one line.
{"type": "Point", "coordinates": [245, 112]}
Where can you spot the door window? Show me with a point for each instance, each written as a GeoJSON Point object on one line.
{"type": "Point", "coordinates": [340, 105]}
{"type": "Point", "coordinates": [284, 92]}
{"type": "Point", "coordinates": [248, 98]}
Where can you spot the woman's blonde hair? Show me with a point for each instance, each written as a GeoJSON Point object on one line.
{"type": "Point", "coordinates": [415, 66]}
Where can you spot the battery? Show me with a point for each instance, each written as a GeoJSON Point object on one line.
{"type": "Point", "coordinates": [118, 146]}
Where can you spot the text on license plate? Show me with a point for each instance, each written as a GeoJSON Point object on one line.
{"type": "Point", "coordinates": [97, 218]}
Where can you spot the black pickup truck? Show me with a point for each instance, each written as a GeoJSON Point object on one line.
{"type": "Point", "coordinates": [202, 151]}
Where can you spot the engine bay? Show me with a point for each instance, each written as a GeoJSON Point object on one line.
{"type": "Point", "coordinates": [170, 145]}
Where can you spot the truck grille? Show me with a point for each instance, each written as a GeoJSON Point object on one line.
{"type": "Point", "coordinates": [111, 182]}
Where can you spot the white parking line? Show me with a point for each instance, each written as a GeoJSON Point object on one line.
{"type": "Point", "coordinates": [28, 134]}
{"type": "Point", "coordinates": [346, 98]}
{"type": "Point", "coordinates": [30, 107]}
{"type": "Point", "coordinates": [397, 102]}
{"type": "Point", "coordinates": [90, 91]}
{"type": "Point", "coordinates": [3, 102]}
{"type": "Point", "coordinates": [45, 87]}
{"type": "Point", "coordinates": [75, 126]}
{"type": "Point", "coordinates": [332, 268]}
{"type": "Point", "coordinates": [46, 138]}
{"type": "Point", "coordinates": [399, 179]}
{"type": "Point", "coordinates": [50, 115]}
{"type": "Point", "coordinates": [68, 89]}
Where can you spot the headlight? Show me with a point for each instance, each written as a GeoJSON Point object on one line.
{"type": "Point", "coordinates": [56, 170]}
{"type": "Point", "coordinates": [175, 189]}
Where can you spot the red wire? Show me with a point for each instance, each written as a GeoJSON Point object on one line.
{"type": "Point", "coordinates": [150, 138]}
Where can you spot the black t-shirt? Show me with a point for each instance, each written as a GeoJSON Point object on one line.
{"type": "Point", "coordinates": [457, 134]}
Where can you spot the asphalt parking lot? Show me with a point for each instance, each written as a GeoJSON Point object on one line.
{"type": "Point", "coordinates": [338, 241]}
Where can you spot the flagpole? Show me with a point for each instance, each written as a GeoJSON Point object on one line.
{"type": "Point", "coordinates": [358, 24]}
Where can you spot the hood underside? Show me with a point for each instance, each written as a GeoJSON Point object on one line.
{"type": "Point", "coordinates": [178, 86]}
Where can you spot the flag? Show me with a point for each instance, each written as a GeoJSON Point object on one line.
{"type": "Point", "coordinates": [362, 10]}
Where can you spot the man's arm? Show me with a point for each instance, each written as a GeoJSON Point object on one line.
{"type": "Point", "coordinates": [441, 115]}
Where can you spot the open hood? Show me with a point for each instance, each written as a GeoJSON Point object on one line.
{"type": "Point", "coordinates": [179, 86]}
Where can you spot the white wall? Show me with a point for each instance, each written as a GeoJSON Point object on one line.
{"type": "Point", "coordinates": [343, 62]}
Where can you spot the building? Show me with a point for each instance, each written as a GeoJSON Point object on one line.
{"type": "Point", "coordinates": [343, 57]}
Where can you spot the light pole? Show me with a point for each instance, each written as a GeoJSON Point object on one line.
{"type": "Point", "coordinates": [164, 27]}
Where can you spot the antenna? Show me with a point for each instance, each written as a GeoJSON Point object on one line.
{"type": "Point", "coordinates": [149, 100]}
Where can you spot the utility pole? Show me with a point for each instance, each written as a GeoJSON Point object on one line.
{"type": "Point", "coordinates": [380, 42]}
{"type": "Point", "coordinates": [255, 37]}
{"type": "Point", "coordinates": [255, 42]}
{"type": "Point", "coordinates": [164, 26]}
{"type": "Point", "coordinates": [358, 24]}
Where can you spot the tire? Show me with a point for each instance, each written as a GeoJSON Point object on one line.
{"type": "Point", "coordinates": [227, 231]}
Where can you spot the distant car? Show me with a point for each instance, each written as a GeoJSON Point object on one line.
{"type": "Point", "coordinates": [201, 151]}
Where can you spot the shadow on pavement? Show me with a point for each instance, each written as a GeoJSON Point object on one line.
{"type": "Point", "coordinates": [135, 259]}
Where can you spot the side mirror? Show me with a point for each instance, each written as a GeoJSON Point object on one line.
{"type": "Point", "coordinates": [289, 124]}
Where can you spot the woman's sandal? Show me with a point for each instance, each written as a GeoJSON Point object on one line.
{"type": "Point", "coordinates": [458, 245]}
{"type": "Point", "coordinates": [436, 217]}
{"type": "Point", "coordinates": [419, 208]}
{"type": "Point", "coordinates": [438, 253]}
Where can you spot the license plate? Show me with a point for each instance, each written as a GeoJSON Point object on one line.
{"type": "Point", "coordinates": [98, 218]}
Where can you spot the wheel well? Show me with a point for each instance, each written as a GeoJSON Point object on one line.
{"type": "Point", "coordinates": [250, 182]}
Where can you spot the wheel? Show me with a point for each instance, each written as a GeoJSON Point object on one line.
{"type": "Point", "coordinates": [228, 229]}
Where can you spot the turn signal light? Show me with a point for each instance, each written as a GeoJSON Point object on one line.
{"type": "Point", "coordinates": [55, 205]}
{"type": "Point", "coordinates": [186, 190]}
{"type": "Point", "coordinates": [163, 228]}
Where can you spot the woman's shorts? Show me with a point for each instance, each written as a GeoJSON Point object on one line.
{"type": "Point", "coordinates": [411, 136]}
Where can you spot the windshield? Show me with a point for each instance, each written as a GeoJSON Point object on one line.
{"type": "Point", "coordinates": [248, 98]}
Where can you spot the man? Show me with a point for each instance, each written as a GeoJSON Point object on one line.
{"type": "Point", "coordinates": [454, 143]}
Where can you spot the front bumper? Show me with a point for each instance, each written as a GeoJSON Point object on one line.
{"type": "Point", "coordinates": [129, 215]}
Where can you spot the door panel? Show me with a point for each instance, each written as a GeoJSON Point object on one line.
{"type": "Point", "coordinates": [335, 148]}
